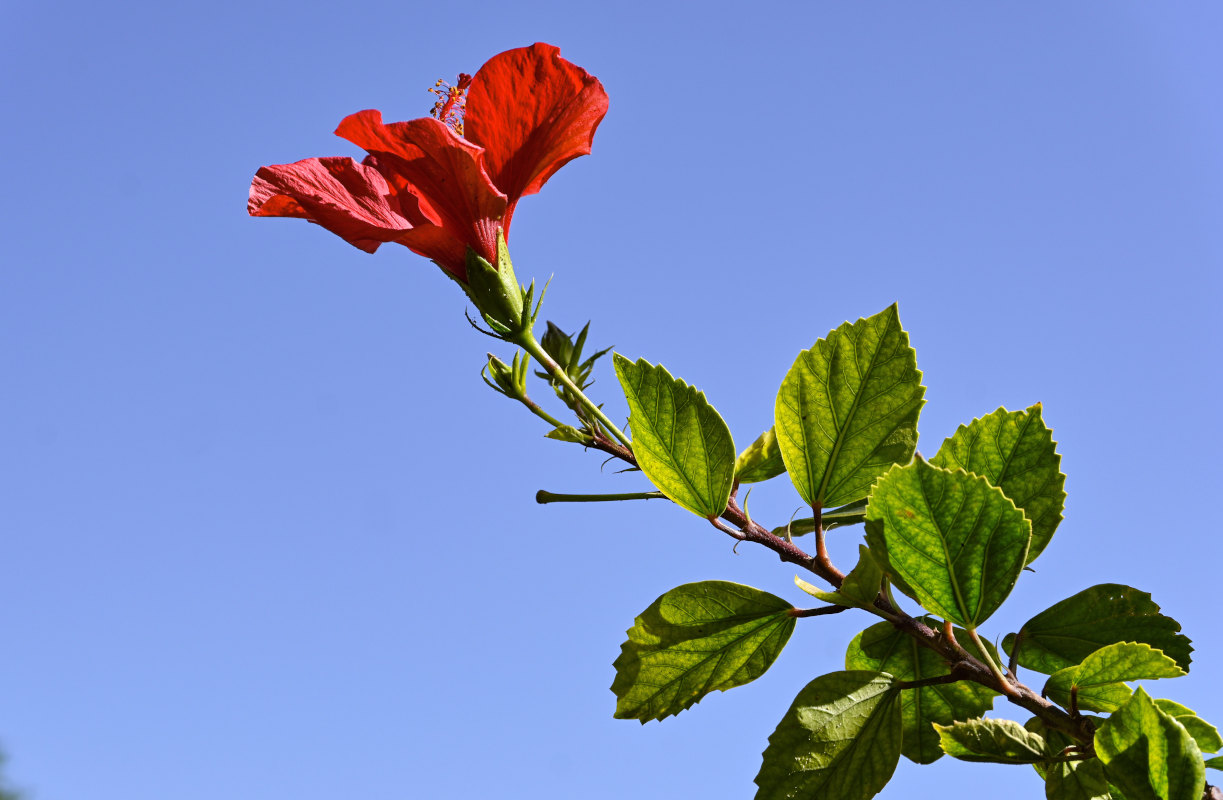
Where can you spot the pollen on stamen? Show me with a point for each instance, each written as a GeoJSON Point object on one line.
{"type": "Point", "coordinates": [451, 102]}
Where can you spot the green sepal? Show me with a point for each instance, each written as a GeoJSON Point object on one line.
{"type": "Point", "coordinates": [1067, 632]}
{"type": "Point", "coordinates": [1098, 683]}
{"type": "Point", "coordinates": [761, 460]}
{"type": "Point", "coordinates": [950, 540]}
{"type": "Point", "coordinates": [883, 648]}
{"type": "Point", "coordinates": [840, 740]}
{"type": "Point", "coordinates": [996, 741]}
{"type": "Point", "coordinates": [1015, 451]}
{"type": "Point", "coordinates": [847, 409]}
{"type": "Point", "coordinates": [695, 639]}
{"type": "Point", "coordinates": [495, 290]}
{"type": "Point", "coordinates": [681, 442]}
{"type": "Point", "coordinates": [1148, 755]}
{"type": "Point", "coordinates": [568, 433]}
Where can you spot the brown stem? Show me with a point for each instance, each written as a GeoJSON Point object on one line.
{"type": "Point", "coordinates": [963, 663]}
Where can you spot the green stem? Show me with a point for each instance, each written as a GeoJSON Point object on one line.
{"type": "Point", "coordinates": [526, 340]}
{"type": "Point", "coordinates": [539, 412]}
{"type": "Point", "coordinates": [543, 497]}
{"type": "Point", "coordinates": [989, 662]}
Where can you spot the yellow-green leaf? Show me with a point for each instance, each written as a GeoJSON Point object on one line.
{"type": "Point", "coordinates": [847, 409]}
{"type": "Point", "coordinates": [681, 443]}
{"type": "Point", "coordinates": [951, 540]}
{"type": "Point", "coordinates": [840, 740]}
{"type": "Point", "coordinates": [1015, 451]}
{"type": "Point", "coordinates": [695, 639]}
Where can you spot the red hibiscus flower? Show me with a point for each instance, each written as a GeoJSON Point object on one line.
{"type": "Point", "coordinates": [442, 185]}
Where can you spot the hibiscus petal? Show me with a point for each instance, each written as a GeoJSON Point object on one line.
{"type": "Point", "coordinates": [349, 199]}
{"type": "Point", "coordinates": [440, 245]}
{"type": "Point", "coordinates": [442, 170]}
{"type": "Point", "coordinates": [532, 112]}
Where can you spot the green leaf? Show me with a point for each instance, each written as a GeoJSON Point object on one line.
{"type": "Point", "coordinates": [836, 598]}
{"type": "Point", "coordinates": [1205, 734]}
{"type": "Point", "coordinates": [1214, 763]}
{"type": "Point", "coordinates": [997, 741]}
{"type": "Point", "coordinates": [882, 648]}
{"type": "Point", "coordinates": [840, 740]}
{"type": "Point", "coordinates": [951, 540]}
{"type": "Point", "coordinates": [681, 443]}
{"type": "Point", "coordinates": [761, 460]}
{"type": "Point", "coordinates": [1067, 632]}
{"type": "Point", "coordinates": [1148, 755]}
{"type": "Point", "coordinates": [862, 583]}
{"type": "Point", "coordinates": [847, 409]}
{"type": "Point", "coordinates": [851, 514]}
{"type": "Point", "coordinates": [1076, 780]}
{"type": "Point", "coordinates": [694, 639]}
{"type": "Point", "coordinates": [568, 433]}
{"type": "Point", "coordinates": [1015, 451]}
{"type": "Point", "coordinates": [1098, 681]}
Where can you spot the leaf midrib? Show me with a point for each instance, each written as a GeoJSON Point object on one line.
{"type": "Point", "coordinates": [853, 408]}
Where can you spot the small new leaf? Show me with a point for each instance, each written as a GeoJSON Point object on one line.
{"type": "Point", "coordinates": [681, 443]}
{"type": "Point", "coordinates": [883, 648]}
{"type": "Point", "coordinates": [1098, 683]}
{"type": "Point", "coordinates": [1067, 632]}
{"type": "Point", "coordinates": [861, 585]}
{"type": "Point", "coordinates": [836, 598]}
{"type": "Point", "coordinates": [840, 740]}
{"type": "Point", "coordinates": [1148, 755]}
{"type": "Point", "coordinates": [951, 540]}
{"type": "Point", "coordinates": [997, 741]}
{"type": "Point", "coordinates": [847, 409]}
{"type": "Point", "coordinates": [1015, 451]}
{"type": "Point", "coordinates": [761, 460]}
{"type": "Point", "coordinates": [568, 433]}
{"type": "Point", "coordinates": [695, 639]}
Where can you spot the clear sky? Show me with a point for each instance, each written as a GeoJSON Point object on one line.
{"type": "Point", "coordinates": [265, 533]}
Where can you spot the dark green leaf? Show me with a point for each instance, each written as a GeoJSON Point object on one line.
{"type": "Point", "coordinates": [951, 540]}
{"type": "Point", "coordinates": [1014, 451]}
{"type": "Point", "coordinates": [761, 460]}
{"type": "Point", "coordinates": [1205, 734]}
{"type": "Point", "coordinates": [695, 639]}
{"type": "Point", "coordinates": [681, 443]}
{"type": "Point", "coordinates": [997, 741]}
{"type": "Point", "coordinates": [847, 409]}
{"type": "Point", "coordinates": [840, 740]}
{"type": "Point", "coordinates": [1099, 681]}
{"type": "Point", "coordinates": [1148, 755]}
{"type": "Point", "coordinates": [1066, 633]}
{"type": "Point", "coordinates": [1076, 780]}
{"type": "Point", "coordinates": [884, 649]}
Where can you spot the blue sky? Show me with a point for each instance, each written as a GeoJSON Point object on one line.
{"type": "Point", "coordinates": [267, 535]}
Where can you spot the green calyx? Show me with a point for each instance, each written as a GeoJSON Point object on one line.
{"type": "Point", "coordinates": [495, 291]}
